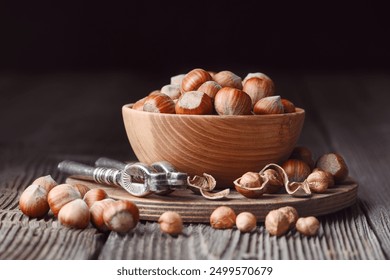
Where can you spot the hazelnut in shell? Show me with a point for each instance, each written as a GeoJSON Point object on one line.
{"type": "Point", "coordinates": [223, 217]}
{"type": "Point", "coordinates": [228, 79]}
{"type": "Point", "coordinates": [74, 214]}
{"type": "Point", "coordinates": [61, 195]}
{"type": "Point", "coordinates": [159, 103]}
{"type": "Point", "coordinates": [94, 195]}
{"type": "Point", "coordinates": [33, 201]}
{"type": "Point", "coordinates": [194, 103]}
{"type": "Point", "coordinates": [268, 105]}
{"type": "Point", "coordinates": [171, 223]}
{"type": "Point", "coordinates": [96, 211]}
{"type": "Point", "coordinates": [288, 106]}
{"type": "Point", "coordinates": [232, 101]}
{"type": "Point", "coordinates": [318, 181]}
{"type": "Point", "coordinates": [173, 91]}
{"type": "Point", "coordinates": [45, 181]}
{"type": "Point", "coordinates": [296, 170]}
{"type": "Point", "coordinates": [304, 154]}
{"type": "Point", "coordinates": [210, 88]}
{"type": "Point", "coordinates": [335, 165]}
{"type": "Point", "coordinates": [121, 216]}
{"type": "Point", "coordinates": [258, 88]}
{"type": "Point", "coordinates": [194, 79]}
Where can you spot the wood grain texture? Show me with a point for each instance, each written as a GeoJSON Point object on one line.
{"type": "Point", "coordinates": [196, 209]}
{"type": "Point", "coordinates": [345, 112]}
{"type": "Point", "coordinates": [224, 146]}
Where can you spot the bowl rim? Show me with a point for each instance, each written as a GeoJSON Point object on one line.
{"type": "Point", "coordinates": [298, 111]}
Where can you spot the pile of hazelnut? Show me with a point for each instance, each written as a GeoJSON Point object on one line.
{"type": "Point", "coordinates": [201, 92]}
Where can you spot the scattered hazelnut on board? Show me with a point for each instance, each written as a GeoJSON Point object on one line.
{"type": "Point", "coordinates": [210, 88]}
{"type": "Point", "coordinates": [296, 170]}
{"type": "Point", "coordinates": [223, 217]}
{"type": "Point", "coordinates": [246, 222]}
{"type": "Point", "coordinates": [194, 103]}
{"type": "Point", "coordinates": [308, 226]}
{"type": "Point", "coordinates": [96, 211]}
{"type": "Point", "coordinates": [232, 101]}
{"type": "Point", "coordinates": [171, 223]}
{"type": "Point", "coordinates": [75, 214]}
{"type": "Point", "coordinates": [334, 164]}
{"type": "Point", "coordinates": [45, 181]}
{"type": "Point", "coordinates": [228, 79]}
{"type": "Point", "coordinates": [121, 216]}
{"type": "Point", "coordinates": [94, 195]}
{"type": "Point", "coordinates": [61, 195]}
{"type": "Point", "coordinates": [194, 79]}
{"type": "Point", "coordinates": [159, 103]}
{"type": "Point", "coordinates": [277, 222]}
{"type": "Point", "coordinates": [318, 181]}
{"type": "Point", "coordinates": [33, 201]}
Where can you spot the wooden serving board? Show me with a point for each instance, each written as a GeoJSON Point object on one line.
{"type": "Point", "coordinates": [197, 209]}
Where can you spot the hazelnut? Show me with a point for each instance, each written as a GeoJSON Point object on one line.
{"type": "Point", "coordinates": [121, 216]}
{"type": "Point", "coordinates": [228, 79]}
{"type": "Point", "coordinates": [308, 226]}
{"type": "Point", "coordinates": [296, 170]}
{"type": "Point", "coordinates": [96, 211]}
{"type": "Point", "coordinates": [94, 195]}
{"type": "Point", "coordinates": [194, 103]}
{"type": "Point", "coordinates": [33, 201]}
{"type": "Point", "coordinates": [268, 84]}
{"type": "Point", "coordinates": [74, 214]}
{"type": "Point", "coordinates": [139, 105]}
{"type": "Point", "coordinates": [177, 80]}
{"type": "Point", "coordinates": [194, 79]}
{"type": "Point", "coordinates": [61, 195]}
{"type": "Point", "coordinates": [81, 188]}
{"type": "Point", "coordinates": [251, 180]}
{"type": "Point", "coordinates": [171, 223]}
{"type": "Point", "coordinates": [223, 218]}
{"type": "Point", "coordinates": [232, 101]}
{"type": "Point", "coordinates": [335, 165]}
{"type": "Point", "coordinates": [304, 154]}
{"type": "Point", "coordinates": [268, 105]}
{"type": "Point", "coordinates": [291, 213]}
{"type": "Point", "coordinates": [246, 222]}
{"type": "Point", "coordinates": [288, 106]}
{"type": "Point", "coordinates": [277, 223]}
{"type": "Point", "coordinates": [328, 174]}
{"type": "Point", "coordinates": [210, 88]}
{"type": "Point", "coordinates": [45, 181]}
{"type": "Point", "coordinates": [318, 181]}
{"type": "Point", "coordinates": [275, 182]}
{"type": "Point", "coordinates": [159, 103]}
{"type": "Point", "coordinates": [257, 88]}
{"type": "Point", "coordinates": [173, 91]}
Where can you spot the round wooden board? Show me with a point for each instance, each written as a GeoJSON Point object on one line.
{"type": "Point", "coordinates": [196, 209]}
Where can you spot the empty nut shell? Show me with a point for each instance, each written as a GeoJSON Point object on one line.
{"type": "Point", "coordinates": [45, 181]}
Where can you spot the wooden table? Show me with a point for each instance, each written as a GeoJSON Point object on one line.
{"type": "Point", "coordinates": [46, 118]}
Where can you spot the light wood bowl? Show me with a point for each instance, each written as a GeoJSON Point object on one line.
{"type": "Point", "coordinates": [223, 146]}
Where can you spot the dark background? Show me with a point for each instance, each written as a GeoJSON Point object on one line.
{"type": "Point", "coordinates": [170, 37]}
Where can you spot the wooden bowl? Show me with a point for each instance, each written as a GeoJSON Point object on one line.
{"type": "Point", "coordinates": [223, 146]}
